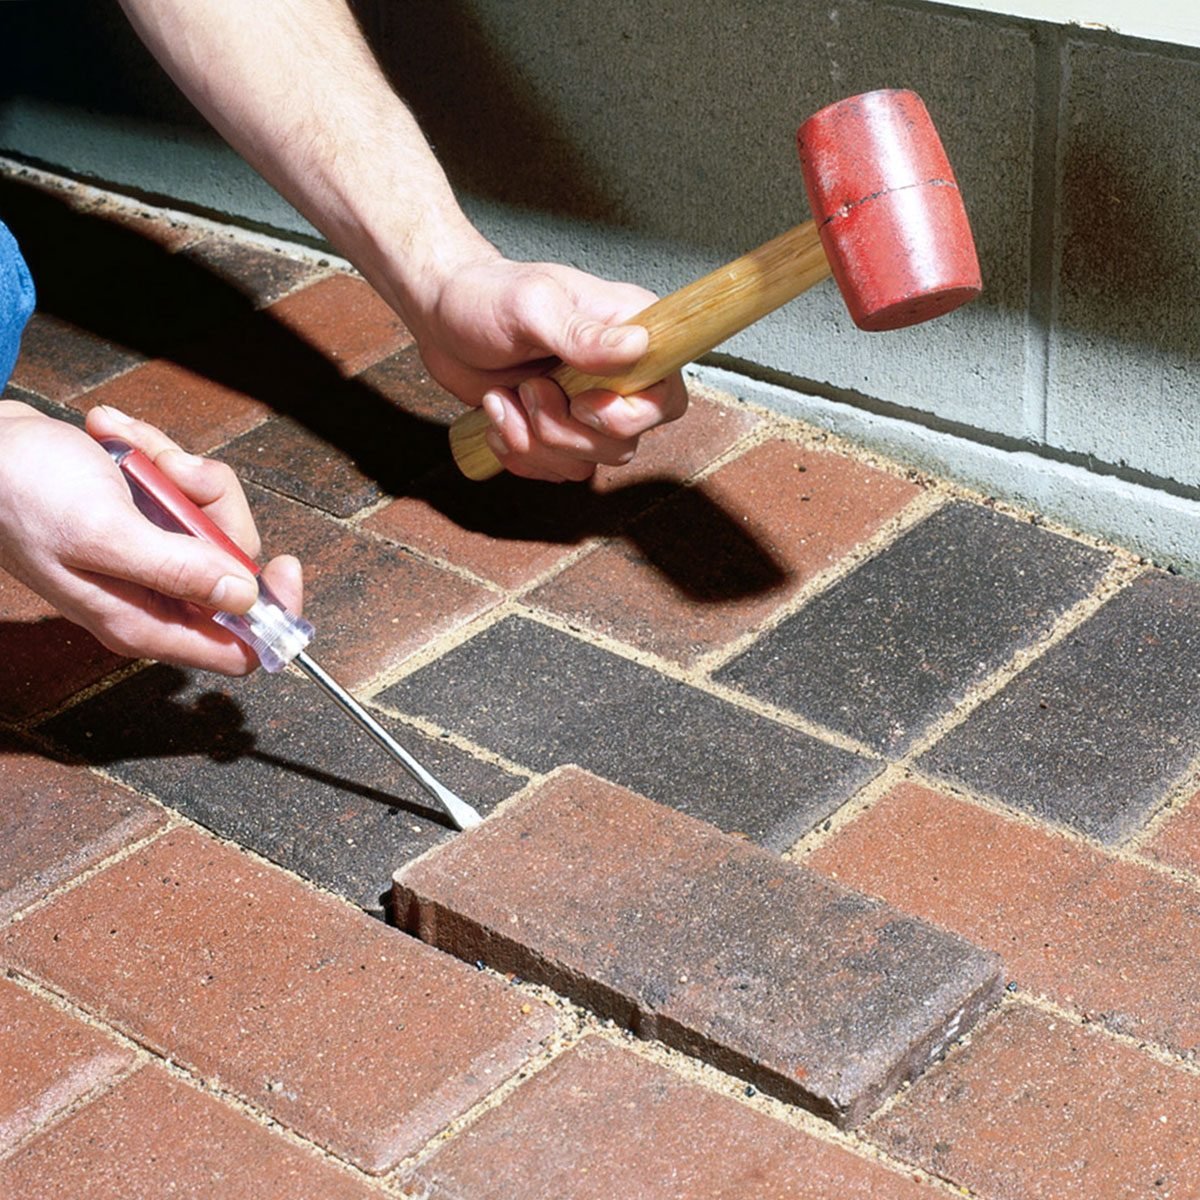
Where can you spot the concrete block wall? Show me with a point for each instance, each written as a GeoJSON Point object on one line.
{"type": "Point", "coordinates": [653, 140]}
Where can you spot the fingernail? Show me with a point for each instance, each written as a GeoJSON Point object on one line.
{"type": "Point", "coordinates": [493, 405]}
{"type": "Point", "coordinates": [117, 414]}
{"type": "Point", "coordinates": [590, 418]}
{"type": "Point", "coordinates": [233, 593]}
{"type": "Point", "coordinates": [615, 336]}
{"type": "Point", "coordinates": [528, 394]}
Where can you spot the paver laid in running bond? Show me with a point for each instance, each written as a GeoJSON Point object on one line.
{"type": "Point", "coordinates": [703, 941]}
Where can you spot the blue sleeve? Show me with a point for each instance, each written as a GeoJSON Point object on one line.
{"type": "Point", "coordinates": [16, 301]}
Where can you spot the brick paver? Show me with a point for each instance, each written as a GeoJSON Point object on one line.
{"type": "Point", "coordinates": [1117, 940]}
{"type": "Point", "coordinates": [270, 763]}
{"type": "Point", "coordinates": [544, 698]}
{"type": "Point", "coordinates": [49, 1060]}
{"type": "Point", "coordinates": [59, 360]}
{"type": "Point", "coordinates": [1098, 730]}
{"type": "Point", "coordinates": [360, 1039]}
{"type": "Point", "coordinates": [1177, 840]}
{"type": "Point", "coordinates": [896, 644]}
{"type": "Point", "coordinates": [56, 821]}
{"type": "Point", "coordinates": [44, 658]}
{"type": "Point", "coordinates": [714, 561]}
{"type": "Point", "coordinates": [156, 1136]}
{"type": "Point", "coordinates": [602, 1122]}
{"type": "Point", "coordinates": [1038, 1107]}
{"type": "Point", "coordinates": [703, 941]}
{"type": "Point", "coordinates": [512, 531]}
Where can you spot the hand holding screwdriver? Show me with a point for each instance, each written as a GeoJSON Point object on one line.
{"type": "Point", "coordinates": [70, 532]}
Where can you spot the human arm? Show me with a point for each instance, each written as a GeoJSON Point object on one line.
{"type": "Point", "coordinates": [69, 531]}
{"type": "Point", "coordinates": [294, 88]}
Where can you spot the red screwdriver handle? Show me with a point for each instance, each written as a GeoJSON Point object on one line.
{"type": "Point", "coordinates": [169, 508]}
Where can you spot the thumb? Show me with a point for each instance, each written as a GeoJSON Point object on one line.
{"type": "Point", "coordinates": [601, 349]}
{"type": "Point", "coordinates": [131, 548]}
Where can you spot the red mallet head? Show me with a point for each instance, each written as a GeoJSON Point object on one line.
{"type": "Point", "coordinates": [888, 208]}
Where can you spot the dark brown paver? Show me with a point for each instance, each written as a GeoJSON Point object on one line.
{"type": "Point", "coordinates": [512, 531]}
{"type": "Point", "coordinates": [48, 1061]}
{"type": "Point", "coordinates": [1117, 940]}
{"type": "Point", "coordinates": [1037, 1107]}
{"type": "Point", "coordinates": [270, 763]}
{"type": "Point", "coordinates": [157, 1136]}
{"type": "Point", "coordinates": [717, 559]}
{"type": "Point", "coordinates": [356, 1037]}
{"type": "Point", "coordinates": [602, 1122]}
{"type": "Point", "coordinates": [60, 360]}
{"type": "Point", "coordinates": [895, 645]}
{"type": "Point", "coordinates": [56, 821]}
{"type": "Point", "coordinates": [542, 698]}
{"type": "Point", "coordinates": [703, 941]}
{"type": "Point", "coordinates": [262, 274]}
{"type": "Point", "coordinates": [1097, 731]}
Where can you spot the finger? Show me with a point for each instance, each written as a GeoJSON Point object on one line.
{"type": "Point", "coordinates": [285, 577]}
{"type": "Point", "coordinates": [121, 544]}
{"type": "Point", "coordinates": [630, 416]}
{"type": "Point", "coordinates": [211, 485]}
{"type": "Point", "coordinates": [511, 440]}
{"type": "Point", "coordinates": [549, 415]}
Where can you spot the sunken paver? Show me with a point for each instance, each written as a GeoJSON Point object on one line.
{"type": "Point", "coordinates": [44, 658]}
{"type": "Point", "coordinates": [157, 1136]}
{"type": "Point", "coordinates": [894, 646]}
{"type": "Point", "coordinates": [270, 763]}
{"type": "Point", "coordinates": [1037, 1107]}
{"type": "Point", "coordinates": [719, 558]}
{"type": "Point", "coordinates": [1097, 731]}
{"type": "Point", "coordinates": [340, 1028]}
{"type": "Point", "coordinates": [602, 1121]}
{"type": "Point", "coordinates": [512, 531]}
{"type": "Point", "coordinates": [262, 274]}
{"type": "Point", "coordinates": [49, 1060]}
{"type": "Point", "coordinates": [57, 821]}
{"type": "Point", "coordinates": [703, 941]}
{"type": "Point", "coordinates": [544, 699]}
{"type": "Point", "coordinates": [1115, 939]}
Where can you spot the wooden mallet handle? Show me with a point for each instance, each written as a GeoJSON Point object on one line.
{"type": "Point", "coordinates": [682, 326]}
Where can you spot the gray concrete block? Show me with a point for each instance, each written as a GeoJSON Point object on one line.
{"type": "Point", "coordinates": [1124, 380]}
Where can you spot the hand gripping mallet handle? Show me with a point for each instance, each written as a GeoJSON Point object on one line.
{"type": "Point", "coordinates": [889, 225]}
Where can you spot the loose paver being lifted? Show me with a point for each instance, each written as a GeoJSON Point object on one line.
{"type": "Point", "coordinates": [703, 941]}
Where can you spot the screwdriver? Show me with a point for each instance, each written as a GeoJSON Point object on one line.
{"type": "Point", "coordinates": [275, 634]}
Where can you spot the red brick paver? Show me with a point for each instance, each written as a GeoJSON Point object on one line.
{"type": "Point", "coordinates": [702, 940]}
{"type": "Point", "coordinates": [56, 821]}
{"type": "Point", "coordinates": [353, 1035]}
{"type": "Point", "coordinates": [1177, 840]}
{"type": "Point", "coordinates": [345, 320]}
{"type": "Point", "coordinates": [1040, 1108]}
{"type": "Point", "coordinates": [155, 1136]}
{"type": "Point", "coordinates": [716, 560]}
{"type": "Point", "coordinates": [603, 1122]}
{"type": "Point", "coordinates": [1070, 921]}
{"type": "Point", "coordinates": [48, 1061]}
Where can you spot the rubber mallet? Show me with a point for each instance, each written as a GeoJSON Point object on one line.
{"type": "Point", "coordinates": [888, 224]}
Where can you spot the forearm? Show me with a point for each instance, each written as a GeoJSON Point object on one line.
{"type": "Point", "coordinates": [294, 88]}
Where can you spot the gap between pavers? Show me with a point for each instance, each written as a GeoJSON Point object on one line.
{"type": "Point", "coordinates": [699, 939]}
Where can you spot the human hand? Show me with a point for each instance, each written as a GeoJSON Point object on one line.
{"type": "Point", "coordinates": [491, 329]}
{"type": "Point", "coordinates": [70, 531]}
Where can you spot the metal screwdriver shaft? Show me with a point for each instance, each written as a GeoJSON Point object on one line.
{"type": "Point", "coordinates": [459, 811]}
{"type": "Point", "coordinates": [275, 634]}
